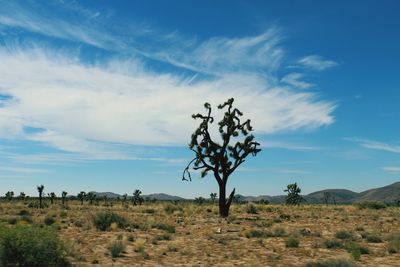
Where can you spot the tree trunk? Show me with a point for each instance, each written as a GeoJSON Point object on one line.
{"type": "Point", "coordinates": [223, 204]}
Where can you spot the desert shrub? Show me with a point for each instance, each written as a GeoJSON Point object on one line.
{"type": "Point", "coordinates": [149, 211]}
{"type": "Point", "coordinates": [12, 220]}
{"type": "Point", "coordinates": [292, 242]}
{"type": "Point", "coordinates": [63, 214]}
{"type": "Point", "coordinates": [163, 226]}
{"type": "Point", "coordinates": [169, 209]}
{"type": "Point", "coordinates": [343, 235]}
{"type": "Point", "coordinates": [31, 246]}
{"type": "Point", "coordinates": [130, 238]}
{"type": "Point", "coordinates": [394, 243]}
{"type": "Point", "coordinates": [251, 209]}
{"type": "Point", "coordinates": [360, 229]}
{"type": "Point", "coordinates": [373, 238]}
{"type": "Point", "coordinates": [116, 249]}
{"type": "Point", "coordinates": [356, 250]}
{"type": "Point", "coordinates": [256, 233]}
{"type": "Point", "coordinates": [103, 220]}
{"type": "Point", "coordinates": [279, 232]}
{"type": "Point", "coordinates": [332, 243]}
{"type": "Point", "coordinates": [166, 237]}
{"type": "Point", "coordinates": [331, 263]}
{"type": "Point", "coordinates": [375, 204]}
{"type": "Point", "coordinates": [49, 220]}
{"type": "Point", "coordinates": [24, 213]}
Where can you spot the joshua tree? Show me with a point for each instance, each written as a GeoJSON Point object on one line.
{"type": "Point", "coordinates": [105, 200]}
{"type": "Point", "coordinates": [124, 198]}
{"type": "Point", "coordinates": [91, 196]}
{"type": "Point", "coordinates": [52, 196]}
{"type": "Point", "coordinates": [9, 195]}
{"type": "Point", "coordinates": [293, 197]}
{"type": "Point", "coordinates": [326, 197]}
{"type": "Point", "coordinates": [40, 189]}
{"type": "Point", "coordinates": [224, 157]}
{"type": "Point", "coordinates": [213, 196]}
{"type": "Point", "coordinates": [137, 199]}
{"type": "Point", "coordinates": [81, 196]}
{"type": "Point", "coordinates": [64, 197]}
{"type": "Point", "coordinates": [22, 196]}
{"type": "Point", "coordinates": [199, 200]}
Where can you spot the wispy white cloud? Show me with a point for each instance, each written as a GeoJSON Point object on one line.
{"type": "Point", "coordinates": [289, 146]}
{"type": "Point", "coordinates": [391, 169]}
{"type": "Point", "coordinates": [90, 109]}
{"type": "Point", "coordinates": [14, 169]}
{"type": "Point", "coordinates": [371, 144]}
{"type": "Point", "coordinates": [316, 62]}
{"type": "Point", "coordinates": [294, 79]}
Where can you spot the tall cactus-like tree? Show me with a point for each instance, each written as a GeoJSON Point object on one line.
{"type": "Point", "coordinates": [91, 196]}
{"type": "Point", "coordinates": [293, 195]}
{"type": "Point", "coordinates": [63, 197]}
{"type": "Point", "coordinates": [213, 196]}
{"type": "Point", "coordinates": [22, 196]}
{"type": "Point", "coordinates": [40, 189]}
{"type": "Point", "coordinates": [326, 196]}
{"type": "Point", "coordinates": [221, 157]}
{"type": "Point", "coordinates": [137, 199]}
{"type": "Point", "coordinates": [9, 195]}
{"type": "Point", "coordinates": [124, 198]}
{"type": "Point", "coordinates": [82, 196]}
{"type": "Point", "coordinates": [52, 196]}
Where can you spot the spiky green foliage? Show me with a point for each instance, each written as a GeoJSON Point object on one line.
{"type": "Point", "coordinates": [81, 196]}
{"type": "Point", "coordinates": [91, 196]}
{"type": "Point", "coordinates": [9, 195]}
{"type": "Point", "coordinates": [213, 196]}
{"type": "Point", "coordinates": [137, 199]}
{"type": "Point", "coordinates": [222, 157]}
{"type": "Point", "coordinates": [293, 195]}
{"type": "Point", "coordinates": [64, 197]}
{"type": "Point", "coordinates": [52, 196]}
{"type": "Point", "coordinates": [40, 189]}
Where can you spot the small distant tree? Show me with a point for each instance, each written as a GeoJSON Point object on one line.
{"type": "Point", "coordinates": [293, 195]}
{"type": "Point", "coordinates": [52, 196]}
{"type": "Point", "coordinates": [9, 195]}
{"type": "Point", "coordinates": [91, 196]}
{"type": "Point", "coordinates": [64, 197]}
{"type": "Point", "coordinates": [105, 200]}
{"type": "Point", "coordinates": [82, 196]}
{"type": "Point", "coordinates": [221, 157]}
{"type": "Point", "coordinates": [40, 189]}
{"type": "Point", "coordinates": [213, 196]}
{"type": "Point", "coordinates": [124, 198]}
{"type": "Point", "coordinates": [137, 199]}
{"type": "Point", "coordinates": [22, 196]}
{"type": "Point", "coordinates": [237, 199]}
{"type": "Point", "coordinates": [326, 197]}
{"type": "Point", "coordinates": [199, 200]}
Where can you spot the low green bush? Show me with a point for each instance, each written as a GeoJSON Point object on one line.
{"type": "Point", "coordinates": [373, 238]}
{"type": "Point", "coordinates": [343, 235]}
{"type": "Point", "coordinates": [375, 204]}
{"type": "Point", "coordinates": [333, 243]}
{"type": "Point", "coordinates": [31, 246]}
{"type": "Point", "coordinates": [292, 242]}
{"type": "Point", "coordinates": [166, 227]}
{"type": "Point", "coordinates": [103, 220]}
{"type": "Point", "coordinates": [116, 249]}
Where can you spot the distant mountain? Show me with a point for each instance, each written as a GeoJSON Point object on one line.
{"type": "Point", "coordinates": [108, 194]}
{"type": "Point", "coordinates": [341, 196]}
{"type": "Point", "coordinates": [387, 193]}
{"type": "Point", "coordinates": [162, 196]}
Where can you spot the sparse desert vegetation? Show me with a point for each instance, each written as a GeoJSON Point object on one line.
{"type": "Point", "coordinates": [186, 233]}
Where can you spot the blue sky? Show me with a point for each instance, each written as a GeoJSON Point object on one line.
{"type": "Point", "coordinates": [98, 95]}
